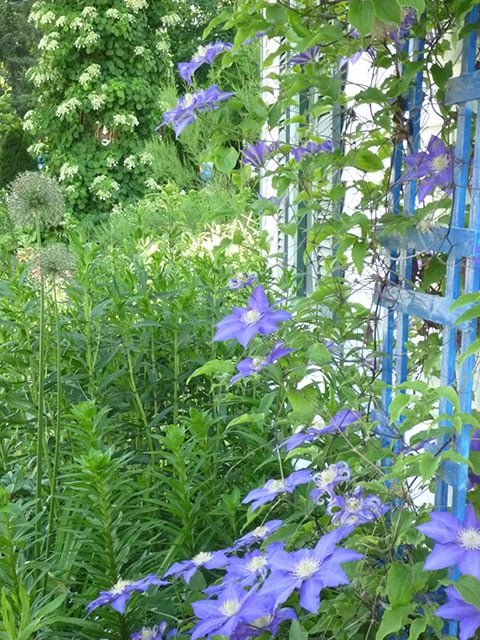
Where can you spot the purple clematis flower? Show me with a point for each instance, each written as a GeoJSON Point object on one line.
{"type": "Point", "coordinates": [258, 534]}
{"type": "Point", "coordinates": [310, 148]}
{"type": "Point", "coordinates": [247, 570]}
{"type": "Point", "coordinates": [399, 34]}
{"type": "Point", "coordinates": [120, 593]}
{"type": "Point", "coordinates": [305, 57]}
{"type": "Point", "coordinates": [250, 366]}
{"type": "Point", "coordinates": [308, 570]}
{"type": "Point", "coordinates": [242, 280]}
{"type": "Point", "coordinates": [256, 153]}
{"type": "Point", "coordinates": [185, 112]}
{"type": "Point", "coordinates": [329, 478]}
{"type": "Point", "coordinates": [223, 616]}
{"type": "Point", "coordinates": [188, 568]}
{"type": "Point", "coordinates": [206, 54]}
{"type": "Point", "coordinates": [466, 614]}
{"type": "Point", "coordinates": [258, 317]}
{"type": "Point", "coordinates": [339, 422]}
{"type": "Point", "coordinates": [458, 543]}
{"type": "Point", "coordinates": [355, 57]}
{"type": "Point", "coordinates": [433, 168]}
{"type": "Point", "coordinates": [355, 508]}
{"type": "Point", "coordinates": [273, 488]}
{"type": "Point", "coordinates": [268, 623]}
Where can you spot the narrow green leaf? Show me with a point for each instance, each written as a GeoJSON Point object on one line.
{"type": "Point", "coordinates": [397, 405]}
{"type": "Point", "coordinates": [366, 160]}
{"type": "Point", "coordinates": [470, 350]}
{"type": "Point", "coordinates": [428, 465]}
{"type": "Point", "coordinates": [451, 395]}
{"type": "Point", "coordinates": [297, 632]}
{"type": "Point", "coordinates": [297, 23]}
{"type": "Point", "coordinates": [246, 417]}
{"type": "Point", "coordinates": [359, 251]}
{"type": "Point", "coordinates": [467, 298]}
{"type": "Point", "coordinates": [212, 367]}
{"type": "Point", "coordinates": [469, 314]}
{"type": "Point", "coordinates": [394, 619]}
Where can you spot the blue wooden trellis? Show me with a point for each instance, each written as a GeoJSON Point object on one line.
{"type": "Point", "coordinates": [460, 242]}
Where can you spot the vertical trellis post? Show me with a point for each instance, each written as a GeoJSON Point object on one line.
{"type": "Point", "coordinates": [459, 242]}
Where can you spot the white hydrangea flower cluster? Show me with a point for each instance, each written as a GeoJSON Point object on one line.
{"type": "Point", "coordinates": [28, 121]}
{"type": "Point", "coordinates": [162, 46]}
{"type": "Point", "coordinates": [61, 21]}
{"type": "Point", "coordinates": [146, 158]}
{"type": "Point", "coordinates": [112, 14]}
{"type": "Point", "coordinates": [39, 16]}
{"type": "Point", "coordinates": [171, 20]}
{"type": "Point", "coordinates": [139, 51]}
{"type": "Point", "coordinates": [136, 5]}
{"type": "Point", "coordinates": [67, 107]}
{"type": "Point", "coordinates": [37, 149]}
{"type": "Point", "coordinates": [67, 170]}
{"type": "Point", "coordinates": [104, 187]}
{"type": "Point", "coordinates": [78, 23]}
{"type": "Point", "coordinates": [82, 42]}
{"type": "Point", "coordinates": [97, 100]}
{"type": "Point", "coordinates": [152, 184]}
{"type": "Point", "coordinates": [39, 76]}
{"type": "Point", "coordinates": [125, 120]}
{"type": "Point", "coordinates": [47, 18]}
{"type": "Point", "coordinates": [89, 12]}
{"type": "Point", "coordinates": [111, 162]}
{"type": "Point", "coordinates": [130, 163]}
{"type": "Point", "coordinates": [92, 72]}
{"type": "Point", "coordinates": [49, 42]}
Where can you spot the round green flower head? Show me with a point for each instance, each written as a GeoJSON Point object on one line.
{"type": "Point", "coordinates": [56, 262]}
{"type": "Point", "coordinates": [35, 199]}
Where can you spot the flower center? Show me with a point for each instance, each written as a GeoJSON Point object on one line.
{"type": "Point", "coordinates": [325, 477]}
{"type": "Point", "coordinates": [261, 623]}
{"type": "Point", "coordinates": [260, 532]}
{"type": "Point", "coordinates": [148, 634]}
{"type": "Point", "coordinates": [276, 486]}
{"type": "Point", "coordinates": [187, 100]}
{"type": "Point", "coordinates": [251, 316]}
{"type": "Point", "coordinates": [469, 539]}
{"type": "Point", "coordinates": [202, 558]}
{"type": "Point", "coordinates": [256, 563]}
{"type": "Point", "coordinates": [353, 505]}
{"type": "Point", "coordinates": [306, 568]}
{"type": "Point", "coordinates": [119, 586]}
{"type": "Point", "coordinates": [439, 164]}
{"type": "Point", "coordinates": [230, 607]}
{"type": "Point", "coordinates": [257, 363]}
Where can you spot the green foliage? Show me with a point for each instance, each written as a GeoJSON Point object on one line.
{"type": "Point", "coordinates": [124, 446]}
{"type": "Point", "coordinates": [14, 157]}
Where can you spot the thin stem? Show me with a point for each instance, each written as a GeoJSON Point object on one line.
{"type": "Point", "coordinates": [138, 402]}
{"type": "Point", "coordinates": [56, 455]}
{"type": "Point", "coordinates": [176, 374]}
{"type": "Point", "coordinates": [40, 408]}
